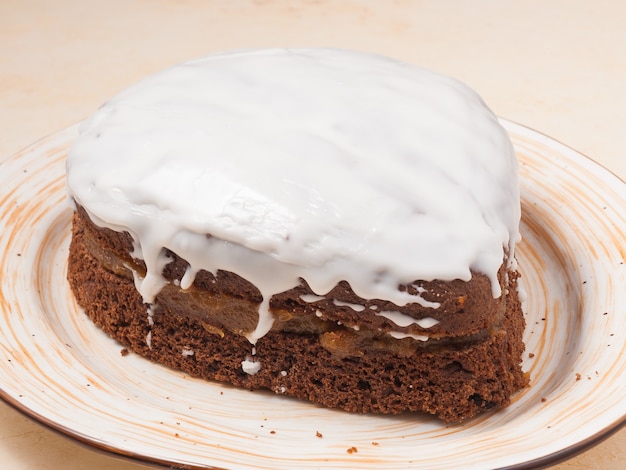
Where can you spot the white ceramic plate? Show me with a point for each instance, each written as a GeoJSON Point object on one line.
{"type": "Point", "coordinates": [58, 368]}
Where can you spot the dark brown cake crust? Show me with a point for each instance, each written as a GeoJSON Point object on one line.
{"type": "Point", "coordinates": [460, 372]}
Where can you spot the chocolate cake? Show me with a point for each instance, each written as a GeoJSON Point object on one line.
{"type": "Point", "coordinates": [329, 225]}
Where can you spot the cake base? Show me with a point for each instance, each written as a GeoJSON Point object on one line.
{"type": "Point", "coordinates": [453, 382]}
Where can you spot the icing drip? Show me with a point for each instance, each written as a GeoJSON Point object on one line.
{"type": "Point", "coordinates": [401, 319]}
{"type": "Point", "coordinates": [310, 298]}
{"type": "Point", "coordinates": [400, 335]}
{"type": "Point", "coordinates": [319, 164]}
{"type": "Point", "coordinates": [355, 307]}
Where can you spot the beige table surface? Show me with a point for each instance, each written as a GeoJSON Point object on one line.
{"type": "Point", "coordinates": [558, 66]}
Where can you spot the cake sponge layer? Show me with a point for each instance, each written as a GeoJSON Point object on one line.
{"type": "Point", "coordinates": [452, 381]}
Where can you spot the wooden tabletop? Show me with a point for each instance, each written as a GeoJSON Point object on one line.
{"type": "Point", "coordinates": [556, 66]}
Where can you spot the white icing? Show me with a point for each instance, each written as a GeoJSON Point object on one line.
{"type": "Point", "coordinates": [355, 307]}
{"type": "Point", "coordinates": [522, 295]}
{"type": "Point", "coordinates": [309, 298]}
{"type": "Point", "coordinates": [319, 164]}
{"type": "Point", "coordinates": [404, 320]}
{"type": "Point", "coordinates": [427, 322]}
{"type": "Point", "coordinates": [250, 367]}
{"type": "Point", "coordinates": [187, 352]}
{"type": "Point", "coordinates": [150, 315]}
{"type": "Point", "coordinates": [188, 278]}
{"type": "Point", "coordinates": [423, 302]}
{"type": "Point", "coordinates": [401, 335]}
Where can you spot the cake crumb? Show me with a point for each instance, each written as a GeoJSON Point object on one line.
{"type": "Point", "coordinates": [374, 443]}
{"type": "Point", "coordinates": [124, 352]}
{"type": "Point", "coordinates": [543, 400]}
{"type": "Point", "coordinates": [318, 434]}
{"type": "Point", "coordinates": [531, 355]}
{"type": "Point", "coordinates": [352, 450]}
{"type": "Point", "coordinates": [272, 432]}
{"type": "Point", "coordinates": [578, 376]}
